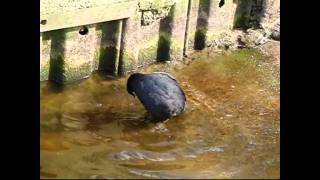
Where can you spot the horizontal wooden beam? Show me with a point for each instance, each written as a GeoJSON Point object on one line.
{"type": "Point", "coordinates": [87, 16]}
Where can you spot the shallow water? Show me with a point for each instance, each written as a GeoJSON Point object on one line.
{"type": "Point", "coordinates": [231, 129]}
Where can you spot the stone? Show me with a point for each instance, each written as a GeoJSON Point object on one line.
{"type": "Point", "coordinates": [256, 37]}
{"type": "Point", "coordinates": [275, 31]}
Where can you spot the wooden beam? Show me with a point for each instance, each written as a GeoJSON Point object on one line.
{"type": "Point", "coordinates": [87, 16]}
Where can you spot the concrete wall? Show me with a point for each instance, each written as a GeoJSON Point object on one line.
{"type": "Point", "coordinates": [118, 36]}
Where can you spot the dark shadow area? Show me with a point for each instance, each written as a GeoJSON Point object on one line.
{"type": "Point", "coordinates": [57, 50]}
{"type": "Point", "coordinates": [249, 14]}
{"type": "Point", "coordinates": [257, 12]}
{"type": "Point", "coordinates": [121, 66]}
{"type": "Point", "coordinates": [165, 34]}
{"type": "Point", "coordinates": [202, 24]}
{"type": "Point", "coordinates": [242, 14]}
{"type": "Point", "coordinates": [108, 51]}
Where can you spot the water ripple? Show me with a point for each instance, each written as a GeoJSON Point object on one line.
{"type": "Point", "coordinates": [166, 156]}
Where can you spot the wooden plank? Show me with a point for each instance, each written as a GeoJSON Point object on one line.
{"type": "Point", "coordinates": [87, 16]}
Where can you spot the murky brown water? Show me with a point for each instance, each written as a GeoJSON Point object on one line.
{"type": "Point", "coordinates": [231, 129]}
